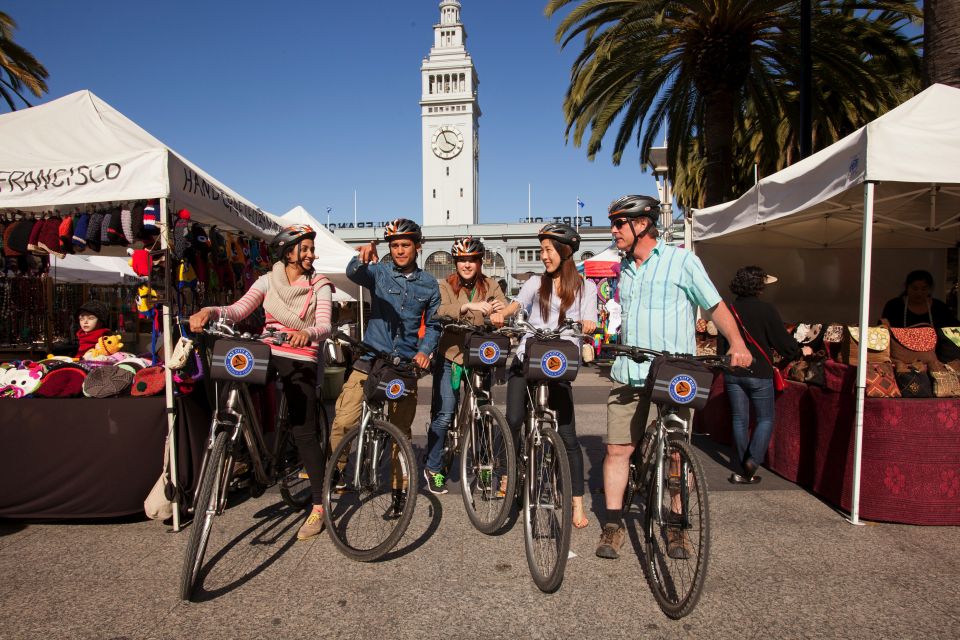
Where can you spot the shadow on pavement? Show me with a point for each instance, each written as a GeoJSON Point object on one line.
{"type": "Point", "coordinates": [436, 514]}
{"type": "Point", "coordinates": [274, 522]}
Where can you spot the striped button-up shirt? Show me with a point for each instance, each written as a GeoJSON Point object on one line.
{"type": "Point", "coordinates": [660, 299]}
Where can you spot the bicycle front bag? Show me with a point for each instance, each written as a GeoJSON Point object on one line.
{"type": "Point", "coordinates": [387, 383]}
{"type": "Point", "coordinates": [551, 360]}
{"type": "Point", "coordinates": [240, 360]}
{"type": "Point", "coordinates": [484, 350]}
{"type": "Point", "coordinates": [678, 382]}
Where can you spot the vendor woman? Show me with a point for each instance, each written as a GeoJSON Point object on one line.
{"type": "Point", "coordinates": [916, 305]}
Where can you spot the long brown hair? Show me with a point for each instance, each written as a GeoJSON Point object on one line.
{"type": "Point", "coordinates": [479, 283]}
{"type": "Point", "coordinates": [570, 283]}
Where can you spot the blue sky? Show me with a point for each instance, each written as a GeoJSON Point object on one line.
{"type": "Point", "coordinates": [303, 102]}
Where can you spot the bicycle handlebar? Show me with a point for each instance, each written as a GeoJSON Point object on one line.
{"type": "Point", "coordinates": [569, 329]}
{"type": "Point", "coordinates": [641, 354]}
{"type": "Point", "coordinates": [223, 329]}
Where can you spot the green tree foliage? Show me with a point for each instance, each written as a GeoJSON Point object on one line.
{"type": "Point", "coordinates": [19, 69]}
{"type": "Point", "coordinates": [722, 77]}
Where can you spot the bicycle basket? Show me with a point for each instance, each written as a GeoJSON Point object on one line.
{"type": "Point", "coordinates": [551, 360]}
{"type": "Point", "coordinates": [483, 350]}
{"type": "Point", "coordinates": [385, 382]}
{"type": "Point", "coordinates": [240, 360]}
{"type": "Point", "coordinates": [679, 382]}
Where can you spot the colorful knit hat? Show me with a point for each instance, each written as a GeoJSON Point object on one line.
{"type": "Point", "coordinates": [63, 381]}
{"type": "Point", "coordinates": [80, 225]}
{"type": "Point", "coordinates": [94, 229]}
{"type": "Point", "coordinates": [107, 381]}
{"type": "Point", "coordinates": [49, 237]}
{"type": "Point", "coordinates": [149, 381]}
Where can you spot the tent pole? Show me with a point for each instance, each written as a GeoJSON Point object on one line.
{"type": "Point", "coordinates": [865, 269]}
{"type": "Point", "coordinates": [167, 374]}
{"type": "Point", "coordinates": [360, 302]}
{"type": "Point", "coordinates": [688, 231]}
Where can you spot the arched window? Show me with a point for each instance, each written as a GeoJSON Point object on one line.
{"type": "Point", "coordinates": [586, 255]}
{"type": "Point", "coordinates": [439, 264]}
{"type": "Point", "coordinates": [494, 265]}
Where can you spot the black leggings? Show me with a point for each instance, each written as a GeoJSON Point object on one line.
{"type": "Point", "coordinates": [300, 387]}
{"type": "Point", "coordinates": [560, 399]}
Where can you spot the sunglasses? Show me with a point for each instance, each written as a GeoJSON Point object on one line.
{"type": "Point", "coordinates": [617, 223]}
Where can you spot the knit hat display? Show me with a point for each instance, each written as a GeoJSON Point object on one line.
{"type": "Point", "coordinates": [107, 381]}
{"type": "Point", "coordinates": [151, 220]}
{"type": "Point", "coordinates": [114, 228]}
{"type": "Point", "coordinates": [149, 381]}
{"type": "Point", "coordinates": [65, 234]}
{"type": "Point", "coordinates": [34, 236]}
{"type": "Point", "coordinates": [140, 261]}
{"type": "Point", "coordinates": [181, 234]}
{"type": "Point", "coordinates": [7, 230]}
{"type": "Point", "coordinates": [105, 226]}
{"type": "Point", "coordinates": [20, 382]}
{"type": "Point", "coordinates": [64, 381]}
{"type": "Point", "coordinates": [94, 229]}
{"type": "Point", "coordinates": [16, 244]}
{"type": "Point", "coordinates": [133, 364]}
{"type": "Point", "coordinates": [49, 237]}
{"type": "Point", "coordinates": [80, 225]}
{"type": "Point", "coordinates": [96, 309]}
{"type": "Point", "coordinates": [126, 225]}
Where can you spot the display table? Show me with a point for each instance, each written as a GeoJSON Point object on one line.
{"type": "Point", "coordinates": [87, 457]}
{"type": "Point", "coordinates": [911, 448]}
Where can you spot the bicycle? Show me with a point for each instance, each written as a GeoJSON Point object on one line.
{"type": "Point", "coordinates": [373, 463]}
{"type": "Point", "coordinates": [479, 433]}
{"type": "Point", "coordinates": [543, 470]}
{"type": "Point", "coordinates": [667, 473]}
{"type": "Point", "coordinates": [237, 441]}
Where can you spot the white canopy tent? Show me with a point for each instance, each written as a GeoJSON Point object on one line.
{"type": "Point", "coordinates": [92, 270]}
{"type": "Point", "coordinates": [332, 253]}
{"type": "Point", "coordinates": [79, 150]}
{"type": "Point", "coordinates": [893, 184]}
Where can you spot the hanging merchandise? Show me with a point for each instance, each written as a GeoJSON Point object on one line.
{"type": "Point", "coordinates": [114, 228]}
{"type": "Point", "coordinates": [140, 261]}
{"type": "Point", "coordinates": [200, 251]}
{"type": "Point", "coordinates": [16, 242]}
{"type": "Point", "coordinates": [136, 222]}
{"type": "Point", "coordinates": [48, 238]}
{"type": "Point", "coordinates": [65, 234]}
{"type": "Point", "coordinates": [151, 221]}
{"type": "Point", "coordinates": [81, 222]}
{"type": "Point", "coordinates": [34, 237]}
{"type": "Point", "coordinates": [126, 225]}
{"type": "Point", "coordinates": [94, 228]}
{"type": "Point", "coordinates": [181, 235]}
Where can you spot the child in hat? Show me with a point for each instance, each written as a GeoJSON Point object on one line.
{"type": "Point", "coordinates": [93, 317]}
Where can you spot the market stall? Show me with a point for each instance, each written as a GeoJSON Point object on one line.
{"type": "Point", "coordinates": [78, 154]}
{"type": "Point", "coordinates": [855, 216]}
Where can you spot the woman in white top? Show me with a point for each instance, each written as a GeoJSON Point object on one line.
{"type": "Point", "coordinates": [549, 300]}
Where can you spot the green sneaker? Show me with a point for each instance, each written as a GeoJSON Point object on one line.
{"type": "Point", "coordinates": [436, 482]}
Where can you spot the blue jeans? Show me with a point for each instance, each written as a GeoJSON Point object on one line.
{"type": "Point", "coordinates": [442, 405]}
{"type": "Point", "coordinates": [743, 392]}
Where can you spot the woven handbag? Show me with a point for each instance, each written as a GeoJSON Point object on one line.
{"type": "Point", "coordinates": [878, 345]}
{"type": "Point", "coordinates": [881, 381]}
{"type": "Point", "coordinates": [914, 343]}
{"type": "Point", "coordinates": [948, 344]}
{"type": "Point", "coordinates": [913, 380]}
{"type": "Point", "coordinates": [945, 384]}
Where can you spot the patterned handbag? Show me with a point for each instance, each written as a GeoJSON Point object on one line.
{"type": "Point", "coordinates": [878, 345]}
{"type": "Point", "coordinates": [833, 333]}
{"type": "Point", "coordinates": [945, 384]}
{"type": "Point", "coordinates": [881, 381]}
{"type": "Point", "coordinates": [913, 380]}
{"type": "Point", "coordinates": [948, 344]}
{"type": "Point", "coordinates": [914, 343]}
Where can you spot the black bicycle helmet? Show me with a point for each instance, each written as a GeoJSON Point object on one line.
{"type": "Point", "coordinates": [402, 228]}
{"type": "Point", "coordinates": [634, 207]}
{"type": "Point", "coordinates": [290, 237]}
{"type": "Point", "coordinates": [562, 233]}
{"type": "Point", "coordinates": [467, 248]}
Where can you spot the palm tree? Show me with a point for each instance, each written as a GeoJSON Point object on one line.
{"type": "Point", "coordinates": [941, 42]}
{"type": "Point", "coordinates": [18, 68]}
{"type": "Point", "coordinates": [722, 76]}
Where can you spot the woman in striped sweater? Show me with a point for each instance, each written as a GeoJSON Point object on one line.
{"type": "Point", "coordinates": [297, 302]}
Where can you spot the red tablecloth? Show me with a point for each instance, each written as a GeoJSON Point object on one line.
{"type": "Point", "coordinates": [911, 448]}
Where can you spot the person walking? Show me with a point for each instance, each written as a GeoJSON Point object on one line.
{"type": "Point", "coordinates": [762, 331]}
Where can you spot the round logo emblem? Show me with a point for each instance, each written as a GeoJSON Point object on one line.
{"type": "Point", "coordinates": [238, 362]}
{"type": "Point", "coordinates": [489, 352]}
{"type": "Point", "coordinates": [553, 364]}
{"type": "Point", "coordinates": [683, 389]}
{"type": "Point", "coordinates": [395, 388]}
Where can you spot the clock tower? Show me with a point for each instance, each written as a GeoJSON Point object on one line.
{"type": "Point", "coordinates": [449, 111]}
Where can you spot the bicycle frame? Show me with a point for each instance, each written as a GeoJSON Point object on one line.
{"type": "Point", "coordinates": [667, 416]}
{"type": "Point", "coordinates": [368, 413]}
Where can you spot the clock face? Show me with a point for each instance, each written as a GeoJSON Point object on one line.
{"type": "Point", "coordinates": [447, 143]}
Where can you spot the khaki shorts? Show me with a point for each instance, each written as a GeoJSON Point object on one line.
{"type": "Point", "coordinates": [629, 414]}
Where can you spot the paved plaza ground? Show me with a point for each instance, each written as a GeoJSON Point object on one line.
{"type": "Point", "coordinates": [783, 565]}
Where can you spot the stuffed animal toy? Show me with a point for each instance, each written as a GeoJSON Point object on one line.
{"type": "Point", "coordinates": [146, 300]}
{"type": "Point", "coordinates": [19, 383]}
{"type": "Point", "coordinates": [106, 347]}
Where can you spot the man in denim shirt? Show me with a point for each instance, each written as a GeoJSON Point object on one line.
{"type": "Point", "coordinates": [403, 296]}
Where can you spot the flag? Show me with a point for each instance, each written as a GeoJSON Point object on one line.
{"type": "Point", "coordinates": [580, 203]}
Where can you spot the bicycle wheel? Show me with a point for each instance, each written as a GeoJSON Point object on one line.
{"type": "Point", "coordinates": [211, 484]}
{"type": "Point", "coordinates": [295, 487]}
{"type": "Point", "coordinates": [547, 510]}
{"type": "Point", "coordinates": [360, 519]}
{"type": "Point", "coordinates": [677, 531]}
{"type": "Point", "coordinates": [639, 471]}
{"type": "Point", "coordinates": [487, 457]}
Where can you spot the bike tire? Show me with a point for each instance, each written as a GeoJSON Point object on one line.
{"type": "Point", "coordinates": [369, 535]}
{"type": "Point", "coordinates": [296, 489]}
{"type": "Point", "coordinates": [639, 467]}
{"type": "Point", "coordinates": [547, 510]}
{"type": "Point", "coordinates": [207, 504]}
{"type": "Point", "coordinates": [677, 582]}
{"type": "Point", "coordinates": [482, 464]}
